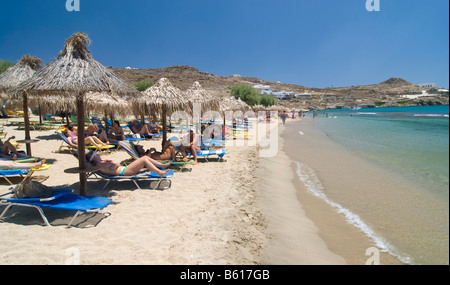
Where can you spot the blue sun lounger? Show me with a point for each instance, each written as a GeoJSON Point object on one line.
{"type": "Point", "coordinates": [146, 176]}
{"type": "Point", "coordinates": [130, 148]}
{"type": "Point", "coordinates": [130, 126]}
{"type": "Point", "coordinates": [206, 144]}
{"type": "Point", "coordinates": [62, 199]}
{"type": "Point", "coordinates": [8, 173]}
{"type": "Point", "coordinates": [207, 153]}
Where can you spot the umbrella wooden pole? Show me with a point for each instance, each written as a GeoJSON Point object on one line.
{"type": "Point", "coordinates": [112, 119]}
{"type": "Point", "coordinates": [40, 115]}
{"type": "Point", "coordinates": [26, 119]}
{"type": "Point", "coordinates": [164, 122]}
{"type": "Point", "coordinates": [106, 122]}
{"type": "Point", "coordinates": [81, 144]}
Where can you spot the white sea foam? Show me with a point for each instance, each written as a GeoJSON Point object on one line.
{"type": "Point", "coordinates": [430, 115]}
{"type": "Point", "coordinates": [314, 186]}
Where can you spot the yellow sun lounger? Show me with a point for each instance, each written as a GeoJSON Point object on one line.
{"type": "Point", "coordinates": [66, 144]}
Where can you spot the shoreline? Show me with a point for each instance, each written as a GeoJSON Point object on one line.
{"type": "Point", "coordinates": [303, 228]}
{"type": "Point", "coordinates": [351, 240]}
{"type": "Point", "coordinates": [294, 238]}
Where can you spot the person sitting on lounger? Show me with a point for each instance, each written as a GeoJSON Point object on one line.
{"type": "Point", "coordinates": [8, 151]}
{"type": "Point", "coordinates": [93, 130]}
{"type": "Point", "coordinates": [116, 132]}
{"type": "Point", "coordinates": [190, 143]}
{"type": "Point", "coordinates": [8, 164]}
{"type": "Point", "coordinates": [143, 130]}
{"type": "Point", "coordinates": [108, 167]}
{"type": "Point", "coordinates": [154, 127]}
{"type": "Point", "coordinates": [73, 139]}
{"type": "Point", "coordinates": [168, 152]}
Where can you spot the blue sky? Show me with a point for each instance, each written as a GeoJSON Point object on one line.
{"type": "Point", "coordinates": [315, 43]}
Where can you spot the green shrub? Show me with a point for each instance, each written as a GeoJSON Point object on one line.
{"type": "Point", "coordinates": [143, 85]}
{"type": "Point", "coordinates": [5, 64]}
{"type": "Point", "coordinates": [267, 100]}
{"type": "Point", "coordinates": [404, 101]}
{"type": "Point", "coordinates": [247, 94]}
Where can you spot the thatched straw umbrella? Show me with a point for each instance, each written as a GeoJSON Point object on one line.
{"type": "Point", "coordinates": [198, 96]}
{"type": "Point", "coordinates": [12, 77]}
{"type": "Point", "coordinates": [70, 76]}
{"type": "Point", "coordinates": [244, 106]}
{"type": "Point", "coordinates": [97, 102]}
{"type": "Point", "coordinates": [257, 108]}
{"type": "Point", "coordinates": [162, 98]}
{"type": "Point", "coordinates": [18, 73]}
{"type": "Point", "coordinates": [231, 104]}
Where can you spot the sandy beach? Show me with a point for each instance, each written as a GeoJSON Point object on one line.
{"type": "Point", "coordinates": [208, 216]}
{"type": "Point", "coordinates": [246, 210]}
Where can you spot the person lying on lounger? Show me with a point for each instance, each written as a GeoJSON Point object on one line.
{"type": "Point", "coordinates": [8, 164]}
{"type": "Point", "coordinates": [8, 151]}
{"type": "Point", "coordinates": [108, 167]}
{"type": "Point", "coordinates": [168, 152]}
{"type": "Point", "coordinates": [73, 139]}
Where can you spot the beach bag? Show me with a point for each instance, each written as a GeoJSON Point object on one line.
{"type": "Point", "coordinates": [136, 136]}
{"type": "Point", "coordinates": [32, 189]}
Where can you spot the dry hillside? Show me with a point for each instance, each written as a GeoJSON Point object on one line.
{"type": "Point", "coordinates": [386, 92]}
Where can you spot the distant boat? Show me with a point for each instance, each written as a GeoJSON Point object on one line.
{"type": "Point", "coordinates": [356, 108]}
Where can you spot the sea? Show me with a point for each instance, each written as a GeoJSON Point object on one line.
{"type": "Point", "coordinates": [411, 143]}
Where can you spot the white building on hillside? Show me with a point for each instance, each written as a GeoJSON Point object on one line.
{"type": "Point", "coordinates": [303, 95]}
{"type": "Point", "coordinates": [425, 85]}
{"type": "Point", "coordinates": [415, 96]}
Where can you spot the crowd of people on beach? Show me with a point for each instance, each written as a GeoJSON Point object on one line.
{"type": "Point", "coordinates": [151, 159]}
{"type": "Point", "coordinates": [173, 150]}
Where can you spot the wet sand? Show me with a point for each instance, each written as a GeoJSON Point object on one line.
{"type": "Point", "coordinates": [298, 217]}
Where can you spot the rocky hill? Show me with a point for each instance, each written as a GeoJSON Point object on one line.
{"type": "Point", "coordinates": [183, 76]}
{"type": "Point", "coordinates": [386, 93]}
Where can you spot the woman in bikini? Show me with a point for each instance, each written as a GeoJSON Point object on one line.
{"type": "Point", "coordinates": [168, 152]}
{"type": "Point", "coordinates": [73, 139]}
{"type": "Point", "coordinates": [111, 168]}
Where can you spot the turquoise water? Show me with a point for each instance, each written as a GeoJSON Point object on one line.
{"type": "Point", "coordinates": [411, 141]}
